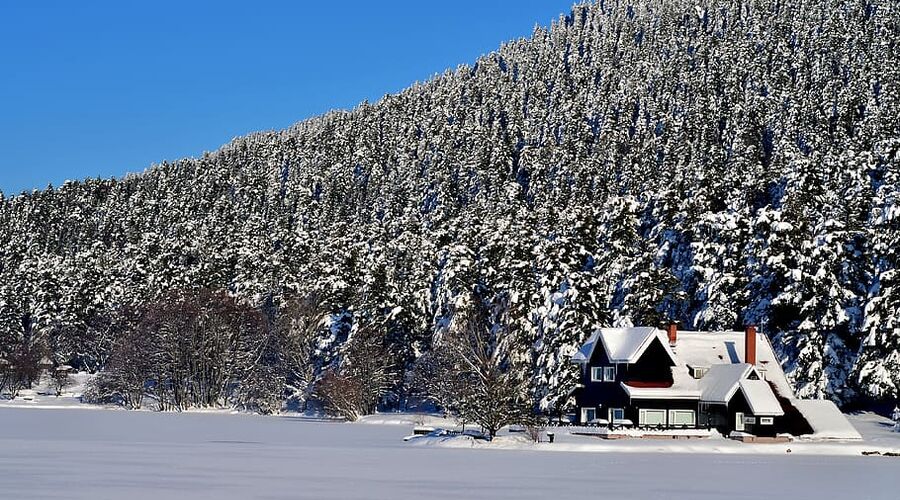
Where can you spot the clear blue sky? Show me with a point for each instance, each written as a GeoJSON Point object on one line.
{"type": "Point", "coordinates": [101, 88]}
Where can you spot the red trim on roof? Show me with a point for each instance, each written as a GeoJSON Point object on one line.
{"type": "Point", "coordinates": [642, 384]}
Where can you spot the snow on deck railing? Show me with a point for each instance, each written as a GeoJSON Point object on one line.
{"type": "Point", "coordinates": [635, 431]}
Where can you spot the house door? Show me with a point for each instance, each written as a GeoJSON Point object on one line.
{"type": "Point", "coordinates": [739, 422]}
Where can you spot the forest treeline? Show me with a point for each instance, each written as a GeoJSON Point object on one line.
{"type": "Point", "coordinates": [712, 163]}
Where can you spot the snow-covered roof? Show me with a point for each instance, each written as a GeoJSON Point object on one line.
{"type": "Point", "coordinates": [761, 399]}
{"type": "Point", "coordinates": [684, 386]}
{"type": "Point", "coordinates": [722, 381]}
{"type": "Point", "coordinates": [721, 352]}
{"type": "Point", "coordinates": [826, 420]}
{"type": "Point", "coordinates": [727, 348]}
{"type": "Point", "coordinates": [622, 345]}
{"type": "Point", "coordinates": [584, 352]}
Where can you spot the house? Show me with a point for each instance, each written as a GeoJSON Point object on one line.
{"type": "Point", "coordinates": [652, 378]}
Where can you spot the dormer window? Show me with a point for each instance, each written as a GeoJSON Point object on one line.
{"type": "Point", "coordinates": [698, 372]}
{"type": "Point", "coordinates": [597, 374]}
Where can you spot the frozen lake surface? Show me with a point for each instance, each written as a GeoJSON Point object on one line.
{"type": "Point", "coordinates": [106, 454]}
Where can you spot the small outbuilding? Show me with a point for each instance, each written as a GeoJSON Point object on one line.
{"type": "Point", "coordinates": [45, 363]}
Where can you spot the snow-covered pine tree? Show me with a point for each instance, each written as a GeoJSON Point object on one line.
{"type": "Point", "coordinates": [633, 162]}
{"type": "Point", "coordinates": [878, 369]}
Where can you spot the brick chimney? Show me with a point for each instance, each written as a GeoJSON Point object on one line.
{"type": "Point", "coordinates": [750, 344]}
{"type": "Point", "coordinates": [672, 330]}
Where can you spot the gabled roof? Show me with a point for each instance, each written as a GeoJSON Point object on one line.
{"type": "Point", "coordinates": [722, 352]}
{"type": "Point", "coordinates": [762, 401]}
{"type": "Point", "coordinates": [623, 345]}
{"type": "Point", "coordinates": [586, 350]}
{"type": "Point", "coordinates": [727, 348]}
{"type": "Point", "coordinates": [722, 381]}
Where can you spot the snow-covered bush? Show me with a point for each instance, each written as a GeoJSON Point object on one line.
{"type": "Point", "coordinates": [366, 373]}
{"type": "Point", "coordinates": [104, 389]}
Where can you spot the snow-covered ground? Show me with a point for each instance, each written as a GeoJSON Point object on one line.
{"type": "Point", "coordinates": [70, 453]}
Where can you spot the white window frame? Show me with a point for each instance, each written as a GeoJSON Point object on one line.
{"type": "Point", "coordinates": [584, 414]}
{"type": "Point", "coordinates": [739, 422]}
{"type": "Point", "coordinates": [766, 420]}
{"type": "Point", "coordinates": [612, 414]}
{"type": "Point", "coordinates": [595, 371]}
{"type": "Point", "coordinates": [673, 418]}
{"type": "Point", "coordinates": [609, 373]}
{"type": "Point", "coordinates": [642, 416]}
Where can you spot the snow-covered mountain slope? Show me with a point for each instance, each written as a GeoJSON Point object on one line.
{"type": "Point", "coordinates": [636, 162]}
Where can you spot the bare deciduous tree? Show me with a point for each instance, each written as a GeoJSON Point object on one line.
{"type": "Point", "coordinates": [435, 378]}
{"type": "Point", "coordinates": [61, 380]}
{"type": "Point", "coordinates": [341, 394]}
{"type": "Point", "coordinates": [197, 349]}
{"type": "Point", "coordinates": [477, 377]}
{"type": "Point", "coordinates": [299, 326]}
{"type": "Point", "coordinates": [366, 373]}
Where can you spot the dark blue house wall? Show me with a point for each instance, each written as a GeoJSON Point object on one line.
{"type": "Point", "coordinates": [654, 366]}
{"type": "Point", "coordinates": [600, 394]}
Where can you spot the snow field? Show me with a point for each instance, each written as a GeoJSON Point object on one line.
{"type": "Point", "coordinates": [73, 454]}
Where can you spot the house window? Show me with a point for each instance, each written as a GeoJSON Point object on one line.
{"type": "Point", "coordinates": [766, 421]}
{"type": "Point", "coordinates": [603, 374]}
{"type": "Point", "coordinates": [616, 414]}
{"type": "Point", "coordinates": [682, 417]}
{"type": "Point", "coordinates": [588, 414]}
{"type": "Point", "coordinates": [652, 417]}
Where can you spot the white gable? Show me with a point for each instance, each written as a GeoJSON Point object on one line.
{"type": "Point", "coordinates": [722, 381]}
{"type": "Point", "coordinates": [622, 345]}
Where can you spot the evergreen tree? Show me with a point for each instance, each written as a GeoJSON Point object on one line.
{"type": "Point", "coordinates": [632, 163]}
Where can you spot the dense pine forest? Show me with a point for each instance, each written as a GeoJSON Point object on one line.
{"type": "Point", "coordinates": [715, 164]}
